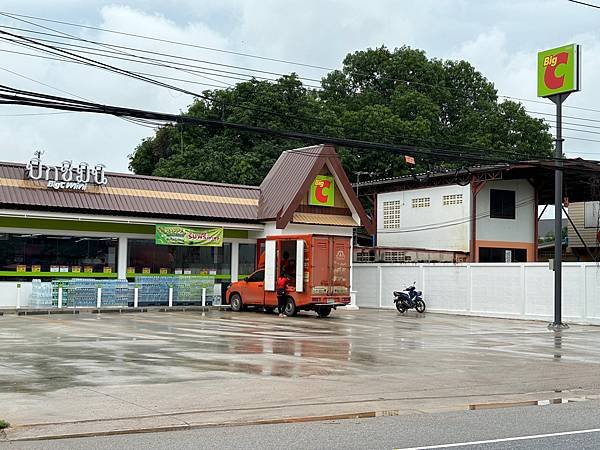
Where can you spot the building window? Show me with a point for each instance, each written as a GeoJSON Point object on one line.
{"type": "Point", "coordinates": [144, 256]}
{"type": "Point", "coordinates": [502, 255]}
{"type": "Point", "coordinates": [502, 204]}
{"type": "Point", "coordinates": [247, 259]}
{"type": "Point", "coordinates": [422, 202]}
{"type": "Point", "coordinates": [395, 256]}
{"type": "Point", "coordinates": [453, 199]}
{"type": "Point", "coordinates": [32, 252]}
{"type": "Point", "coordinates": [391, 214]}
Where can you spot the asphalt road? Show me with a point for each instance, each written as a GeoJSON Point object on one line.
{"type": "Point", "coordinates": [572, 425]}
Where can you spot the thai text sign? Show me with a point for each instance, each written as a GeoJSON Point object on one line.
{"type": "Point", "coordinates": [178, 235]}
{"type": "Point", "coordinates": [65, 176]}
{"type": "Point", "coordinates": [558, 70]}
{"type": "Point", "coordinates": [321, 191]}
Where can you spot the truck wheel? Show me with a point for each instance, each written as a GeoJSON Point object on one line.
{"type": "Point", "coordinates": [324, 311]}
{"type": "Point", "coordinates": [290, 307]}
{"type": "Point", "coordinates": [236, 302]}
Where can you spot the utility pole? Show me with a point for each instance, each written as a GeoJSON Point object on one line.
{"type": "Point", "coordinates": [558, 324]}
{"type": "Point", "coordinates": [558, 75]}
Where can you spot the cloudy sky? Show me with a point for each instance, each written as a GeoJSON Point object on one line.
{"type": "Point", "coordinates": [499, 37]}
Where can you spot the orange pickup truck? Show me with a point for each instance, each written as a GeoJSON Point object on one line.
{"type": "Point", "coordinates": [319, 271]}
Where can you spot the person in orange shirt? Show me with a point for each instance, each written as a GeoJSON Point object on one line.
{"type": "Point", "coordinates": [282, 282]}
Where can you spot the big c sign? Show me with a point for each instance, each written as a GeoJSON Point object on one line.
{"type": "Point", "coordinates": [321, 191]}
{"type": "Point", "coordinates": [558, 70]}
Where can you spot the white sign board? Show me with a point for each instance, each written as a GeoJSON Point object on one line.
{"type": "Point", "coordinates": [270, 265]}
{"type": "Point", "coordinates": [300, 265]}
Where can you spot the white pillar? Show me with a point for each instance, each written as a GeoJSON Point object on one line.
{"type": "Point", "coordinates": [60, 292]}
{"type": "Point", "coordinates": [18, 295]}
{"type": "Point", "coordinates": [99, 297]}
{"type": "Point", "coordinates": [122, 258]}
{"type": "Point", "coordinates": [235, 260]}
{"type": "Point", "coordinates": [136, 296]}
{"type": "Point", "coordinates": [352, 304]}
{"type": "Point", "coordinates": [170, 296]}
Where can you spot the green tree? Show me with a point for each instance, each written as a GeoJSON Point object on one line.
{"type": "Point", "coordinates": [394, 96]}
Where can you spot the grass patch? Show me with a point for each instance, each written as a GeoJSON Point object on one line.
{"type": "Point", "coordinates": [4, 424]}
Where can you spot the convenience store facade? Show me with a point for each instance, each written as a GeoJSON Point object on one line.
{"type": "Point", "coordinates": [77, 221]}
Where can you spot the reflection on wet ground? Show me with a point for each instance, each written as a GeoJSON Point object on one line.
{"type": "Point", "coordinates": [47, 353]}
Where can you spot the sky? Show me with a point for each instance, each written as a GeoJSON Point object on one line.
{"type": "Point", "coordinates": [500, 38]}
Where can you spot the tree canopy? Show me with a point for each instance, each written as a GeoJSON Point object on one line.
{"type": "Point", "coordinates": [397, 97]}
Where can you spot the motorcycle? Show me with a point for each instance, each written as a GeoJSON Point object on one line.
{"type": "Point", "coordinates": [409, 298]}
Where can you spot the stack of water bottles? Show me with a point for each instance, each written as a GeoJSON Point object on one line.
{"type": "Point", "coordinates": [41, 294]}
{"type": "Point", "coordinates": [153, 290]}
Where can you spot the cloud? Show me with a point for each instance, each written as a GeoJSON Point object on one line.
{"type": "Point", "coordinates": [499, 38]}
{"type": "Point", "coordinates": [93, 137]}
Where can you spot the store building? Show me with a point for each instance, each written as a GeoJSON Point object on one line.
{"type": "Point", "coordinates": [82, 222]}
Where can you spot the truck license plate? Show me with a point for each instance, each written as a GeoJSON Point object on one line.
{"type": "Point", "coordinates": [330, 300]}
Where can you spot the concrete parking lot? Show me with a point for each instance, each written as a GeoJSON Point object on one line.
{"type": "Point", "coordinates": [101, 373]}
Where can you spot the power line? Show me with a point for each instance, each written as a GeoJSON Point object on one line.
{"type": "Point", "coordinates": [16, 17]}
{"type": "Point", "coordinates": [144, 78]}
{"type": "Point", "coordinates": [548, 104]}
{"type": "Point", "coordinates": [35, 99]}
{"type": "Point", "coordinates": [584, 3]}
{"type": "Point", "coordinates": [64, 35]}
{"type": "Point", "coordinates": [185, 44]}
{"type": "Point", "coordinates": [33, 55]}
{"type": "Point", "coordinates": [72, 56]}
{"type": "Point", "coordinates": [216, 86]}
{"type": "Point", "coordinates": [140, 50]}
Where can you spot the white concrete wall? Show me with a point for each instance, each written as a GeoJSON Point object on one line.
{"type": "Point", "coordinates": [515, 291]}
{"type": "Point", "coordinates": [8, 294]}
{"type": "Point", "coordinates": [449, 224]}
{"type": "Point", "coordinates": [522, 228]}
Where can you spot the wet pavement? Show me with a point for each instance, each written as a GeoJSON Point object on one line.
{"type": "Point", "coordinates": [249, 365]}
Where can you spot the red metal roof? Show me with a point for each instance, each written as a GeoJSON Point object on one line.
{"type": "Point", "coordinates": [133, 195]}
{"type": "Point", "coordinates": [277, 198]}
{"type": "Point", "coordinates": [287, 177]}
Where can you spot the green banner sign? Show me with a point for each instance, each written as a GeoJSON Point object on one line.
{"type": "Point", "coordinates": [558, 70]}
{"type": "Point", "coordinates": [321, 191]}
{"type": "Point", "coordinates": [178, 235]}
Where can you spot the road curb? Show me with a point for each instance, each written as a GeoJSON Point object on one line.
{"type": "Point", "coordinates": [288, 420]}
{"type": "Point", "coordinates": [184, 427]}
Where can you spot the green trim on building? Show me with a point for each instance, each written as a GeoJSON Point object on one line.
{"type": "Point", "coordinates": [102, 227]}
{"type": "Point", "coordinates": [217, 277]}
{"type": "Point", "coordinates": [14, 273]}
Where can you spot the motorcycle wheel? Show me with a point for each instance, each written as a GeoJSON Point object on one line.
{"type": "Point", "coordinates": [399, 307]}
{"type": "Point", "coordinates": [420, 306]}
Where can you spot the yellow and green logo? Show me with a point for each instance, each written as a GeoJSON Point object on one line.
{"type": "Point", "coordinates": [321, 191]}
{"type": "Point", "coordinates": [558, 70]}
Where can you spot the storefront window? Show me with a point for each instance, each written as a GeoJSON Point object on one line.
{"type": "Point", "coordinates": [42, 253]}
{"type": "Point", "coordinates": [247, 259]}
{"type": "Point", "coordinates": [144, 256]}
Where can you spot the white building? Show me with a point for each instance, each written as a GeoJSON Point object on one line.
{"type": "Point", "coordinates": [483, 220]}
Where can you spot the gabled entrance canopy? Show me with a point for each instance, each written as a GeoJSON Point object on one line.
{"type": "Point", "coordinates": [285, 192]}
